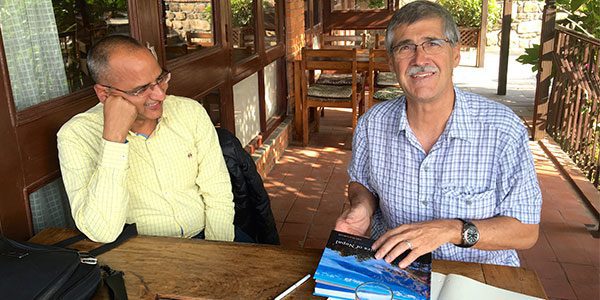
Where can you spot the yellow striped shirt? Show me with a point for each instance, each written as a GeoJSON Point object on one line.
{"type": "Point", "coordinates": [175, 183]}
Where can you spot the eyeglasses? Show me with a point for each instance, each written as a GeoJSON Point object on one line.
{"type": "Point", "coordinates": [408, 50]}
{"type": "Point", "coordinates": [143, 90]}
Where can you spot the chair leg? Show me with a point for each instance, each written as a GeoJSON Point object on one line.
{"type": "Point", "coordinates": [318, 118]}
{"type": "Point", "coordinates": [305, 126]}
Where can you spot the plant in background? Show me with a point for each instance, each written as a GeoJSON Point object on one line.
{"type": "Point", "coordinates": [374, 4]}
{"type": "Point", "coordinates": [241, 12]}
{"type": "Point", "coordinates": [467, 13]}
{"type": "Point", "coordinates": [580, 15]}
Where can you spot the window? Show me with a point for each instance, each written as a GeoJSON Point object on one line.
{"type": "Point", "coordinates": [306, 14]}
{"type": "Point", "coordinates": [270, 18]}
{"type": "Point", "coordinates": [358, 4]}
{"type": "Point", "coordinates": [316, 12]}
{"type": "Point", "coordinates": [189, 26]}
{"type": "Point", "coordinates": [46, 44]}
{"type": "Point", "coordinates": [242, 18]}
{"type": "Point", "coordinates": [212, 104]}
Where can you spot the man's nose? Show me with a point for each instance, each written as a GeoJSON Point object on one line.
{"type": "Point", "coordinates": [157, 93]}
{"type": "Point", "coordinates": [420, 55]}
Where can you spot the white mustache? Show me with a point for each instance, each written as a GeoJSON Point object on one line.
{"type": "Point", "coordinates": [421, 69]}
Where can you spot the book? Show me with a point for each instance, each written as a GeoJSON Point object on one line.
{"type": "Point", "coordinates": [349, 261]}
{"type": "Point", "coordinates": [458, 287]}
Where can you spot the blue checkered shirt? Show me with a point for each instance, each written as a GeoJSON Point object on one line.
{"type": "Point", "coordinates": [480, 167]}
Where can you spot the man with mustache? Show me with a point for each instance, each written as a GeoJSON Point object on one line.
{"type": "Point", "coordinates": [440, 170]}
{"type": "Point", "coordinates": [142, 156]}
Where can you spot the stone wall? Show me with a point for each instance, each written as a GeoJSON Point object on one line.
{"type": "Point", "coordinates": [188, 16]}
{"type": "Point", "coordinates": [525, 27]}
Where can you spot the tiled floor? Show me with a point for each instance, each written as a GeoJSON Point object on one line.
{"type": "Point", "coordinates": [308, 192]}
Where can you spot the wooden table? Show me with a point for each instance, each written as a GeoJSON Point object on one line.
{"type": "Point", "coordinates": [175, 268]}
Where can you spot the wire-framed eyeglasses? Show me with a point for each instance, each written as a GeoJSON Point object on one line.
{"type": "Point", "coordinates": [160, 81]}
{"type": "Point", "coordinates": [408, 50]}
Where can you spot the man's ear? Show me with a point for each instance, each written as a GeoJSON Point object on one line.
{"type": "Point", "coordinates": [101, 92]}
{"type": "Point", "coordinates": [456, 54]}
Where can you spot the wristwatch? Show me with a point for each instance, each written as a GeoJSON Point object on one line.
{"type": "Point", "coordinates": [469, 234]}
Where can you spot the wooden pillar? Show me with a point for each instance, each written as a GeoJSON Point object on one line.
{"type": "Point", "coordinates": [504, 46]}
{"type": "Point", "coordinates": [544, 75]}
{"type": "Point", "coordinates": [482, 35]}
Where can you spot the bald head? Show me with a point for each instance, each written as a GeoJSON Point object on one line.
{"type": "Point", "coordinates": [98, 57]}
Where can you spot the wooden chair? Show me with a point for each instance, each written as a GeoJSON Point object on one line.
{"type": "Point", "coordinates": [315, 95]}
{"type": "Point", "coordinates": [343, 41]}
{"type": "Point", "coordinates": [383, 84]}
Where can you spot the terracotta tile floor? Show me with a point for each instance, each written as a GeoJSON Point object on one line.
{"type": "Point", "coordinates": [308, 192]}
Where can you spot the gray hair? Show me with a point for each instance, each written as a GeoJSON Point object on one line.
{"type": "Point", "coordinates": [99, 54]}
{"type": "Point", "coordinates": [417, 11]}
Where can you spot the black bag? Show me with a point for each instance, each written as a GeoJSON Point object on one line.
{"type": "Point", "coordinates": [32, 271]}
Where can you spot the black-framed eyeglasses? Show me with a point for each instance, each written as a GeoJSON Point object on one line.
{"type": "Point", "coordinates": [160, 81]}
{"type": "Point", "coordinates": [433, 46]}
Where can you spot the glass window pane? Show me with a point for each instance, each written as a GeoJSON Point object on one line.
{"type": "Point", "coordinates": [306, 15]}
{"type": "Point", "coordinates": [316, 12]}
{"type": "Point", "coordinates": [50, 207]}
{"type": "Point", "coordinates": [358, 4]}
{"type": "Point", "coordinates": [46, 44]}
{"type": "Point", "coordinates": [212, 104]}
{"type": "Point", "coordinates": [243, 29]}
{"type": "Point", "coordinates": [246, 109]}
{"type": "Point", "coordinates": [189, 26]}
{"type": "Point", "coordinates": [270, 18]}
{"type": "Point", "coordinates": [272, 89]}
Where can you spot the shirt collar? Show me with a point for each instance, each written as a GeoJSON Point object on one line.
{"type": "Point", "coordinates": [459, 124]}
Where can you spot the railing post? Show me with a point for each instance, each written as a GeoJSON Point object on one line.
{"type": "Point", "coordinates": [504, 46]}
{"type": "Point", "coordinates": [544, 75]}
{"type": "Point", "coordinates": [479, 62]}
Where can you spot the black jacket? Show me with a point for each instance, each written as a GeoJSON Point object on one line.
{"type": "Point", "coordinates": [252, 205]}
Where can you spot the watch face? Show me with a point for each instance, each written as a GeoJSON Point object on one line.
{"type": "Point", "coordinates": [471, 235]}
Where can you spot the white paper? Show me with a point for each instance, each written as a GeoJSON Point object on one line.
{"type": "Point", "coordinates": [457, 287]}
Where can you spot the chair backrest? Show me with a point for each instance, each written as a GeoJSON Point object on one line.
{"type": "Point", "coordinates": [343, 41]}
{"type": "Point", "coordinates": [378, 60]}
{"type": "Point", "coordinates": [379, 41]}
{"type": "Point", "coordinates": [343, 60]}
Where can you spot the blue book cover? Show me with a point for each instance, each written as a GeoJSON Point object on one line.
{"type": "Point", "coordinates": [349, 261]}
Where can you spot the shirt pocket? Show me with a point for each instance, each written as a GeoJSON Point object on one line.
{"type": "Point", "coordinates": [467, 203]}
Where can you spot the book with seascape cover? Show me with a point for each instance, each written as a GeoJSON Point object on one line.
{"type": "Point", "coordinates": [349, 261]}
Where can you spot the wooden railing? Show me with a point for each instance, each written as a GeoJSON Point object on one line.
{"type": "Point", "coordinates": [574, 103]}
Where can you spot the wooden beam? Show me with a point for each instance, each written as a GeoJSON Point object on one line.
{"type": "Point", "coordinates": [504, 46]}
{"type": "Point", "coordinates": [482, 35]}
{"type": "Point", "coordinates": [544, 75]}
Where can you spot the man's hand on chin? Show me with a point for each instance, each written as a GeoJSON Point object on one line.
{"type": "Point", "coordinates": [119, 115]}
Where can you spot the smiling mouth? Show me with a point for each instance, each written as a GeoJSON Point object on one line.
{"type": "Point", "coordinates": [422, 75]}
{"type": "Point", "coordinates": [152, 105]}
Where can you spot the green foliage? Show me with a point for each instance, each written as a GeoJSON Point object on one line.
{"type": "Point", "coordinates": [467, 13]}
{"type": "Point", "coordinates": [241, 12]}
{"type": "Point", "coordinates": [581, 15]}
{"type": "Point", "coordinates": [66, 11]}
{"type": "Point", "coordinates": [531, 57]}
{"type": "Point", "coordinates": [374, 4]}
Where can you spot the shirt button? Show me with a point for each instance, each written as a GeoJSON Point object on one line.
{"type": "Point", "coordinates": [469, 202]}
{"type": "Point", "coordinates": [424, 203]}
{"type": "Point", "coordinates": [426, 168]}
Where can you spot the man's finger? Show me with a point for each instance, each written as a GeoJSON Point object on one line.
{"type": "Point", "coordinates": [398, 249]}
{"type": "Point", "coordinates": [412, 256]}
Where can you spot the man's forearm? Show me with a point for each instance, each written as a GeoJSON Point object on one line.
{"type": "Point", "coordinates": [497, 233]}
{"type": "Point", "coordinates": [503, 232]}
{"type": "Point", "coordinates": [358, 195]}
{"type": "Point", "coordinates": [97, 190]}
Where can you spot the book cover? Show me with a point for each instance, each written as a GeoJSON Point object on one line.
{"type": "Point", "coordinates": [349, 261]}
